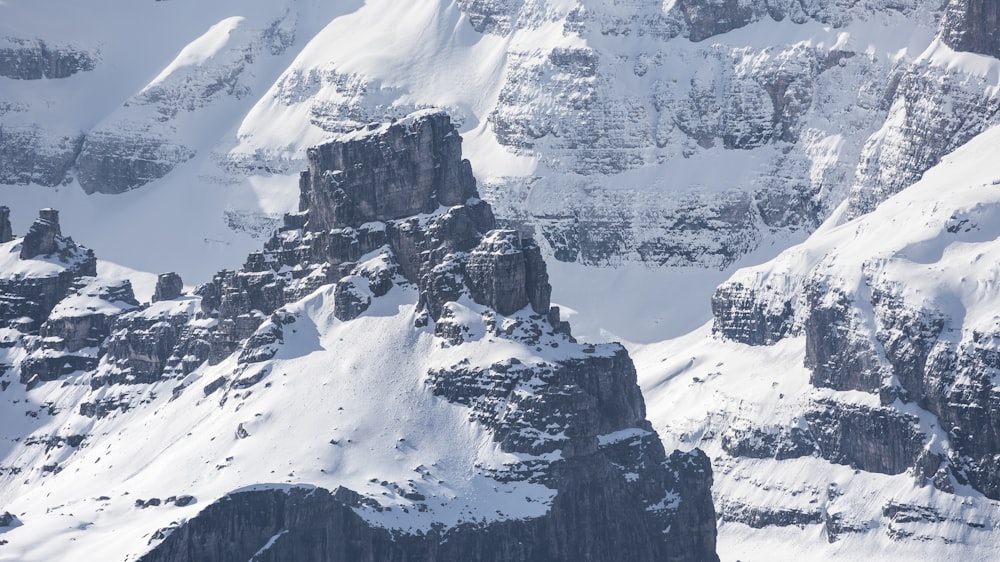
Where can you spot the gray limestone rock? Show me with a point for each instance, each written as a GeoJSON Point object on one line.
{"type": "Point", "coordinates": [743, 315]}
{"type": "Point", "coordinates": [839, 352]}
{"type": "Point", "coordinates": [880, 440]}
{"type": "Point", "coordinates": [116, 161]}
{"type": "Point", "coordinates": [506, 274]}
{"type": "Point", "coordinates": [168, 287]}
{"type": "Point", "coordinates": [973, 26]}
{"type": "Point", "coordinates": [6, 234]}
{"type": "Point", "coordinates": [386, 172]}
{"type": "Point", "coordinates": [26, 301]}
{"type": "Point", "coordinates": [33, 155]}
{"type": "Point", "coordinates": [706, 18]}
{"type": "Point", "coordinates": [351, 297]}
{"type": "Point", "coordinates": [143, 347]}
{"type": "Point", "coordinates": [24, 59]}
{"type": "Point", "coordinates": [41, 237]}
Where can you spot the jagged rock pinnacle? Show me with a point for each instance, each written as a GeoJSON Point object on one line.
{"type": "Point", "coordinates": [6, 234]}
{"type": "Point", "coordinates": [168, 286]}
{"type": "Point", "coordinates": [41, 237]}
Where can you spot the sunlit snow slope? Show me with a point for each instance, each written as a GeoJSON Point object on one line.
{"type": "Point", "coordinates": [920, 278]}
{"type": "Point", "coordinates": [644, 132]}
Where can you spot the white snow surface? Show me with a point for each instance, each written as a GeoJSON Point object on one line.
{"type": "Point", "coordinates": [248, 86]}
{"type": "Point", "coordinates": [698, 386]}
{"type": "Point", "coordinates": [180, 223]}
{"type": "Point", "coordinates": [342, 404]}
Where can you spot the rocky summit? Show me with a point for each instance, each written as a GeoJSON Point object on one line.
{"type": "Point", "coordinates": [499, 280]}
{"type": "Point", "coordinates": [390, 230]}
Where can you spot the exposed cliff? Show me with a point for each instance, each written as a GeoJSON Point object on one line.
{"type": "Point", "coordinates": [596, 122]}
{"type": "Point", "coordinates": [859, 368]}
{"type": "Point", "coordinates": [509, 440]}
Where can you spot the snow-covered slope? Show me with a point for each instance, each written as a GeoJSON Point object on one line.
{"type": "Point", "coordinates": [847, 392]}
{"type": "Point", "coordinates": [387, 366]}
{"type": "Point", "coordinates": [700, 135]}
{"type": "Point", "coordinates": [671, 134]}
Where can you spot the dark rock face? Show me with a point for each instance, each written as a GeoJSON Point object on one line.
{"type": "Point", "coordinates": [702, 19]}
{"type": "Point", "coordinates": [351, 231]}
{"type": "Point", "coordinates": [41, 236]}
{"type": "Point", "coordinates": [111, 162]}
{"type": "Point", "coordinates": [317, 525]}
{"type": "Point", "coordinates": [742, 315]}
{"type": "Point", "coordinates": [502, 270]}
{"type": "Point", "coordinates": [837, 351]}
{"type": "Point", "coordinates": [30, 154]}
{"type": "Point", "coordinates": [73, 336]}
{"type": "Point", "coordinates": [34, 60]}
{"type": "Point", "coordinates": [411, 167]}
{"type": "Point", "coordinates": [6, 234]}
{"type": "Point", "coordinates": [973, 26]}
{"type": "Point", "coordinates": [144, 347]}
{"type": "Point", "coordinates": [872, 439]}
{"type": "Point", "coordinates": [32, 297]}
{"type": "Point", "coordinates": [714, 17]}
{"type": "Point", "coordinates": [779, 443]}
{"type": "Point", "coordinates": [168, 287]}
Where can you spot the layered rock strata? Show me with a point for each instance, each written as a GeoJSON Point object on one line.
{"type": "Point", "coordinates": [392, 209]}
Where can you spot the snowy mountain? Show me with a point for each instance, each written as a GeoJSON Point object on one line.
{"type": "Point", "coordinates": [847, 390]}
{"type": "Point", "coordinates": [679, 134]}
{"type": "Point", "coordinates": [388, 367]}
{"type": "Point", "coordinates": [642, 153]}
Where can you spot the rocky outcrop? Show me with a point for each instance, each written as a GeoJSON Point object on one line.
{"type": "Point", "coordinates": [356, 225]}
{"type": "Point", "coordinates": [73, 337]}
{"type": "Point", "coordinates": [972, 26]}
{"type": "Point", "coordinates": [317, 525]}
{"type": "Point", "coordinates": [384, 207]}
{"type": "Point", "coordinates": [41, 237]}
{"type": "Point", "coordinates": [24, 59]}
{"type": "Point", "coordinates": [743, 315]}
{"type": "Point", "coordinates": [599, 513]}
{"type": "Point", "coordinates": [118, 161]}
{"type": "Point", "coordinates": [148, 344]}
{"type": "Point", "coordinates": [503, 269]}
{"type": "Point", "coordinates": [837, 351]}
{"type": "Point", "coordinates": [6, 234]}
{"type": "Point", "coordinates": [30, 154]}
{"type": "Point", "coordinates": [707, 18]}
{"type": "Point", "coordinates": [927, 118]}
{"type": "Point", "coordinates": [386, 173]}
{"type": "Point", "coordinates": [580, 420]}
{"type": "Point", "coordinates": [881, 440]}
{"type": "Point", "coordinates": [168, 287]}
{"type": "Point", "coordinates": [48, 265]}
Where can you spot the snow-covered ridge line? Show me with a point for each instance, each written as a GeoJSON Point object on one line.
{"type": "Point", "coordinates": [376, 370]}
